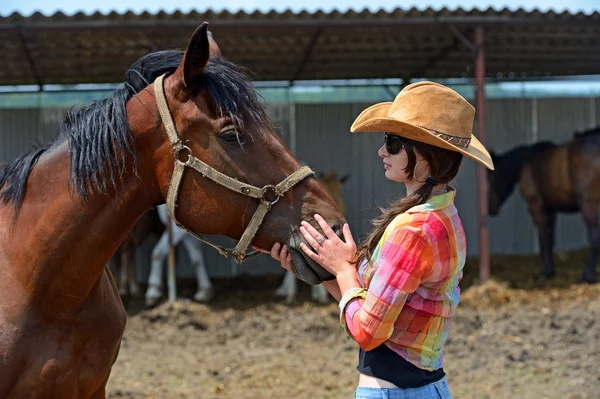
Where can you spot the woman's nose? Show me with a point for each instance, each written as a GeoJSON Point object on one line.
{"type": "Point", "coordinates": [382, 152]}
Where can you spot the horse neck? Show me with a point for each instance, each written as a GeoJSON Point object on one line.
{"type": "Point", "coordinates": [63, 243]}
{"type": "Point", "coordinates": [512, 162]}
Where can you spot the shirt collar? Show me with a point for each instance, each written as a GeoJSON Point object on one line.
{"type": "Point", "coordinates": [436, 202]}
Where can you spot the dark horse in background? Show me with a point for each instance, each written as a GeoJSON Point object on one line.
{"type": "Point", "coordinates": [123, 260]}
{"type": "Point", "coordinates": [65, 208]}
{"type": "Point", "coordinates": [553, 178]}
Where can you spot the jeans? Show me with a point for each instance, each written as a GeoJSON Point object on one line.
{"type": "Point", "coordinates": [435, 390]}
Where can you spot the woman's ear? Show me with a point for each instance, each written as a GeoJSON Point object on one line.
{"type": "Point", "coordinates": [422, 170]}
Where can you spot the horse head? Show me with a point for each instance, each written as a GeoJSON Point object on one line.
{"type": "Point", "coordinates": [221, 130]}
{"type": "Point", "coordinates": [501, 181]}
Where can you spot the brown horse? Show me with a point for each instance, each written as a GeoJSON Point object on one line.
{"type": "Point", "coordinates": [553, 178]}
{"type": "Point", "coordinates": [65, 209]}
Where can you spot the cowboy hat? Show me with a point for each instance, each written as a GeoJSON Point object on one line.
{"type": "Point", "coordinates": [430, 113]}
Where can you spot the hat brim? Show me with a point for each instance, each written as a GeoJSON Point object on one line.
{"type": "Point", "coordinates": [375, 119]}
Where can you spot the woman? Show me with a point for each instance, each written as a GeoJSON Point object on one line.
{"type": "Point", "coordinates": [398, 293]}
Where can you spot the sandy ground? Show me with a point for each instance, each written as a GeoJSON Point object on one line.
{"type": "Point", "coordinates": [513, 337]}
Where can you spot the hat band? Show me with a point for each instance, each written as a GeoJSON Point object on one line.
{"type": "Point", "coordinates": [456, 140]}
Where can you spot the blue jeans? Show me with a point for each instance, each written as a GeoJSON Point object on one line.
{"type": "Point", "coordinates": [435, 390]}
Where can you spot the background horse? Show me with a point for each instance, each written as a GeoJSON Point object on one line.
{"type": "Point", "coordinates": [160, 252]}
{"type": "Point", "coordinates": [553, 178]}
{"type": "Point", "coordinates": [66, 207]}
{"type": "Point", "coordinates": [123, 261]}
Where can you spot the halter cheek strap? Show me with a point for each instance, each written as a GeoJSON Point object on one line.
{"type": "Point", "coordinates": [268, 195]}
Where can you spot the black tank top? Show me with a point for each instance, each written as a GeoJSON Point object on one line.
{"type": "Point", "coordinates": [384, 363]}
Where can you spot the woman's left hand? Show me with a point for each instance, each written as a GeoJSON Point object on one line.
{"type": "Point", "coordinates": [331, 252]}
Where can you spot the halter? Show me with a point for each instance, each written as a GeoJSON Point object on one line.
{"type": "Point", "coordinates": [262, 194]}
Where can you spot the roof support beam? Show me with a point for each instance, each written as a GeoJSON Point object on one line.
{"type": "Point", "coordinates": [29, 58]}
{"type": "Point", "coordinates": [307, 53]}
{"type": "Point", "coordinates": [463, 39]}
{"type": "Point", "coordinates": [459, 39]}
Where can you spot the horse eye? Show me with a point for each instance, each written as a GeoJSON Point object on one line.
{"type": "Point", "coordinates": [232, 136]}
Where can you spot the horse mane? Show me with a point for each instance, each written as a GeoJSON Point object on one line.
{"type": "Point", "coordinates": [509, 164]}
{"type": "Point", "coordinates": [593, 133]}
{"type": "Point", "coordinates": [100, 139]}
{"type": "Point", "coordinates": [3, 170]}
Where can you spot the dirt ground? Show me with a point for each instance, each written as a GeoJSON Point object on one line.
{"type": "Point", "coordinates": [513, 337]}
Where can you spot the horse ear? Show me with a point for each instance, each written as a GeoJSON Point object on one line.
{"type": "Point", "coordinates": [213, 47]}
{"type": "Point", "coordinates": [201, 47]}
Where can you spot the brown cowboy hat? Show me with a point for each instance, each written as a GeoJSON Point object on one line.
{"type": "Point", "coordinates": [428, 112]}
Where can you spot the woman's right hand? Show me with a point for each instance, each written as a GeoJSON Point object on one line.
{"type": "Point", "coordinates": [280, 253]}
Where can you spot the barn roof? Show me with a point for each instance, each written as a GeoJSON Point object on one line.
{"type": "Point", "coordinates": [288, 46]}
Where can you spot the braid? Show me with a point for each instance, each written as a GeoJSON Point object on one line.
{"type": "Point", "coordinates": [387, 215]}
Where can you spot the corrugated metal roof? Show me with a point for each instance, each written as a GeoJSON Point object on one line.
{"type": "Point", "coordinates": [98, 48]}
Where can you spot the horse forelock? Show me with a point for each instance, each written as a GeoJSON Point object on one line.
{"type": "Point", "coordinates": [232, 93]}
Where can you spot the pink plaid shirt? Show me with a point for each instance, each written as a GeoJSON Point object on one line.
{"type": "Point", "coordinates": [410, 288]}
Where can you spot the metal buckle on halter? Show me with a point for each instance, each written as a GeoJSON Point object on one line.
{"type": "Point", "coordinates": [178, 148]}
{"type": "Point", "coordinates": [265, 191]}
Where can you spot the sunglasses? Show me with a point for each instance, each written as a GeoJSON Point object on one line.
{"type": "Point", "coordinates": [393, 143]}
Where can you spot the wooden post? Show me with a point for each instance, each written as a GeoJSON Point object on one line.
{"type": "Point", "coordinates": [171, 265]}
{"type": "Point", "coordinates": [484, 249]}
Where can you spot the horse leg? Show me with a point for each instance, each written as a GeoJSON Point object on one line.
{"type": "Point", "coordinates": [204, 292]}
{"type": "Point", "coordinates": [288, 288]}
{"type": "Point", "coordinates": [545, 222]}
{"type": "Point", "coordinates": [155, 283]}
{"type": "Point", "coordinates": [320, 294]}
{"type": "Point", "coordinates": [121, 265]}
{"type": "Point", "coordinates": [129, 266]}
{"type": "Point", "coordinates": [590, 217]}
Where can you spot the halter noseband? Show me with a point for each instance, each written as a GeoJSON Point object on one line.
{"type": "Point", "coordinates": [263, 194]}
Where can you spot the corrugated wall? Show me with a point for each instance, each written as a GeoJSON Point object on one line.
{"type": "Point", "coordinates": [319, 135]}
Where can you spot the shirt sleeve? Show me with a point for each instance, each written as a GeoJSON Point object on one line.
{"type": "Point", "coordinates": [404, 260]}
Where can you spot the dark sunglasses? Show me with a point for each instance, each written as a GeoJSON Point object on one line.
{"type": "Point", "coordinates": [393, 143]}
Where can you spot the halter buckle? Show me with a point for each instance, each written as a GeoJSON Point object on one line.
{"type": "Point", "coordinates": [183, 153]}
{"type": "Point", "coordinates": [270, 189]}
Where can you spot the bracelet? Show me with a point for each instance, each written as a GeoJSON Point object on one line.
{"type": "Point", "coordinates": [349, 295]}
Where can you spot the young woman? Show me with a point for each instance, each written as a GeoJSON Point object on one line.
{"type": "Point", "coordinates": [399, 291]}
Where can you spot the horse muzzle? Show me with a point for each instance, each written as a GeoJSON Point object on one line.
{"type": "Point", "coordinates": [304, 267]}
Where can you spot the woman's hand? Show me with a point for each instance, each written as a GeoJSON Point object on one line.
{"type": "Point", "coordinates": [280, 253]}
{"type": "Point", "coordinates": [329, 251]}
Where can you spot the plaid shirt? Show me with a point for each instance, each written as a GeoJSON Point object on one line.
{"type": "Point", "coordinates": [411, 287]}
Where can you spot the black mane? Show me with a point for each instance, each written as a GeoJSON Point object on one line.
{"type": "Point", "coordinates": [510, 164]}
{"type": "Point", "coordinates": [100, 139]}
{"type": "Point", "coordinates": [590, 134]}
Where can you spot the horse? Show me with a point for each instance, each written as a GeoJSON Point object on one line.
{"type": "Point", "coordinates": [65, 208]}
{"type": "Point", "coordinates": [553, 178]}
{"type": "Point", "coordinates": [160, 252]}
{"type": "Point", "coordinates": [123, 259]}
{"type": "Point", "coordinates": [288, 289]}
